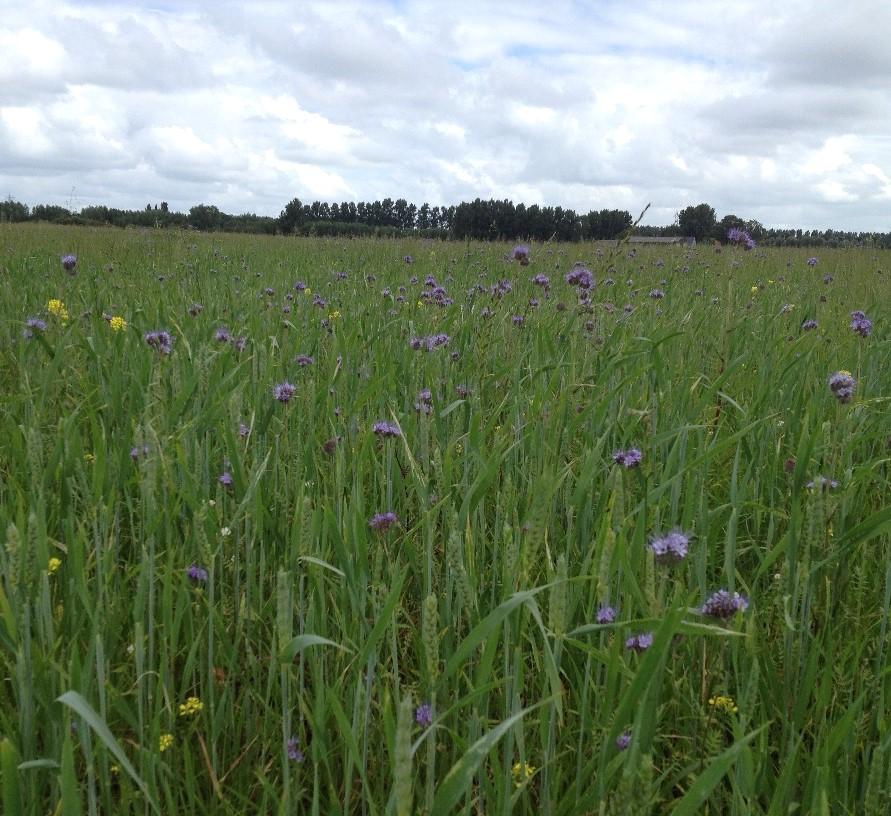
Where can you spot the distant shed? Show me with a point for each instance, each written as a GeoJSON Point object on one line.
{"type": "Point", "coordinates": [674, 240]}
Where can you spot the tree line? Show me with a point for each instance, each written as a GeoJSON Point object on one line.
{"type": "Point", "coordinates": [486, 220]}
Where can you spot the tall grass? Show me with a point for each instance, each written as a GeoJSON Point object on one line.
{"type": "Point", "coordinates": [315, 638]}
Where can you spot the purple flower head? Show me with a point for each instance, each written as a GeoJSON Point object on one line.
{"type": "Point", "coordinates": [629, 458]}
{"type": "Point", "coordinates": [269, 291]}
{"type": "Point", "coordinates": [304, 360]}
{"type": "Point", "coordinates": [425, 395]}
{"type": "Point", "coordinates": [670, 548]}
{"type": "Point", "coordinates": [380, 522]}
{"type": "Point", "coordinates": [827, 278]}
{"type": "Point", "coordinates": [300, 286]}
{"type": "Point", "coordinates": [542, 280]}
{"type": "Point", "coordinates": [424, 715]}
{"type": "Point", "coordinates": [606, 614]}
{"type": "Point", "coordinates": [69, 262]}
{"type": "Point", "coordinates": [160, 341]}
{"type": "Point", "coordinates": [294, 753]}
{"type": "Point", "coordinates": [580, 276]}
{"type": "Point", "coordinates": [657, 294]}
{"type": "Point", "coordinates": [462, 391]}
{"type": "Point", "coordinates": [623, 741]}
{"type": "Point", "coordinates": [518, 320]}
{"type": "Point", "coordinates": [386, 429]}
{"type": "Point", "coordinates": [34, 324]}
{"type": "Point", "coordinates": [811, 261]}
{"type": "Point", "coordinates": [861, 324]}
{"type": "Point", "coordinates": [749, 243]}
{"type": "Point", "coordinates": [822, 483]}
{"type": "Point", "coordinates": [222, 335]}
{"type": "Point", "coordinates": [225, 479]}
{"type": "Point", "coordinates": [284, 391]}
{"type": "Point", "coordinates": [809, 325]}
{"type": "Point", "coordinates": [520, 253]}
{"type": "Point", "coordinates": [136, 451]}
{"type": "Point", "coordinates": [195, 309]}
{"type": "Point", "coordinates": [408, 259]}
{"type": "Point", "coordinates": [736, 235]}
{"type": "Point", "coordinates": [239, 343]}
{"type": "Point", "coordinates": [723, 604]}
{"type": "Point", "coordinates": [842, 385]}
{"type": "Point", "coordinates": [639, 643]}
{"type": "Point", "coordinates": [243, 430]}
{"type": "Point", "coordinates": [196, 574]}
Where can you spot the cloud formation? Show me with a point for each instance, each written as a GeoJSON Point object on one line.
{"type": "Point", "coordinates": [770, 111]}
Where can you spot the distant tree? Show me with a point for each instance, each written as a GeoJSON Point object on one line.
{"type": "Point", "coordinates": [205, 217]}
{"type": "Point", "coordinates": [11, 210]}
{"type": "Point", "coordinates": [291, 217]}
{"type": "Point", "coordinates": [50, 212]}
{"type": "Point", "coordinates": [164, 208]}
{"type": "Point", "coordinates": [698, 221]}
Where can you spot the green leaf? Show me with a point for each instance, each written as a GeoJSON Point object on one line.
{"type": "Point", "coordinates": [81, 707]}
{"type": "Point", "coordinates": [12, 797]}
{"type": "Point", "coordinates": [301, 642]}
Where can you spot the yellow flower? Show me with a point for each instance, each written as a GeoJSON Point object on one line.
{"type": "Point", "coordinates": [754, 289]}
{"type": "Point", "coordinates": [307, 291]}
{"type": "Point", "coordinates": [723, 703]}
{"type": "Point", "coordinates": [53, 565]}
{"type": "Point", "coordinates": [117, 323]}
{"type": "Point", "coordinates": [846, 373]}
{"type": "Point", "coordinates": [89, 458]}
{"type": "Point", "coordinates": [522, 773]}
{"type": "Point", "coordinates": [165, 742]}
{"type": "Point", "coordinates": [333, 315]}
{"type": "Point", "coordinates": [57, 309]}
{"type": "Point", "coordinates": [769, 280]}
{"type": "Point", "coordinates": [191, 707]}
{"type": "Point", "coordinates": [420, 304]}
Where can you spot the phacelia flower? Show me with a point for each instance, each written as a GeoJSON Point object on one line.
{"type": "Point", "coordinates": [639, 643]}
{"type": "Point", "coordinates": [222, 335]}
{"type": "Point", "coordinates": [424, 715]}
{"type": "Point", "coordinates": [657, 294]}
{"type": "Point", "coordinates": [542, 280]}
{"type": "Point", "coordinates": [842, 385]}
{"type": "Point", "coordinates": [304, 360]}
{"type": "Point", "coordinates": [225, 479]}
{"type": "Point", "coordinates": [196, 574]}
{"type": "Point", "coordinates": [670, 548]}
{"type": "Point", "coordinates": [191, 707]}
{"type": "Point", "coordinates": [723, 703]}
{"type": "Point", "coordinates": [32, 325]}
{"type": "Point", "coordinates": [520, 253]}
{"type": "Point", "coordinates": [195, 309]}
{"type": "Point", "coordinates": [580, 276]}
{"type": "Point", "coordinates": [160, 341]}
{"type": "Point", "coordinates": [518, 320]}
{"type": "Point", "coordinates": [723, 604]}
{"type": "Point", "coordinates": [284, 391]}
{"type": "Point", "coordinates": [69, 262]}
{"type": "Point", "coordinates": [630, 458]}
{"type": "Point", "coordinates": [243, 430]}
{"type": "Point", "coordinates": [822, 483]}
{"type": "Point", "coordinates": [623, 741]}
{"type": "Point", "coordinates": [165, 741]}
{"type": "Point", "coordinates": [386, 429]}
{"type": "Point", "coordinates": [381, 522]}
{"type": "Point", "coordinates": [809, 325]}
{"type": "Point", "coordinates": [117, 323]}
{"type": "Point", "coordinates": [138, 450]}
{"type": "Point", "coordinates": [294, 753]}
{"type": "Point", "coordinates": [812, 261]}
{"type": "Point", "coordinates": [861, 324]}
{"type": "Point", "coordinates": [606, 614]}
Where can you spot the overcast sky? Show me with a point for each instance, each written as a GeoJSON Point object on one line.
{"type": "Point", "coordinates": [779, 111]}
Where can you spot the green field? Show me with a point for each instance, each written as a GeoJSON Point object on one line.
{"type": "Point", "coordinates": [172, 531]}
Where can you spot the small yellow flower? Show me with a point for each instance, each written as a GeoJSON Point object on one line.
{"type": "Point", "coordinates": [754, 289]}
{"type": "Point", "coordinates": [522, 773]}
{"type": "Point", "coordinates": [57, 309]}
{"type": "Point", "coordinates": [723, 703]}
{"type": "Point", "coordinates": [117, 323]}
{"type": "Point", "coordinates": [165, 741]}
{"type": "Point", "coordinates": [420, 304]}
{"type": "Point", "coordinates": [115, 770]}
{"type": "Point", "coordinates": [53, 565]}
{"type": "Point", "coordinates": [307, 291]}
{"type": "Point", "coordinates": [191, 707]}
{"type": "Point", "coordinates": [769, 280]}
{"type": "Point", "coordinates": [846, 373]}
{"type": "Point", "coordinates": [334, 315]}
{"type": "Point", "coordinates": [89, 458]}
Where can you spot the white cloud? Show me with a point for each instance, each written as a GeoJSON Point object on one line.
{"type": "Point", "coordinates": [770, 111]}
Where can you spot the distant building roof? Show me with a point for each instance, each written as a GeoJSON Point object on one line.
{"type": "Point", "coordinates": [687, 240]}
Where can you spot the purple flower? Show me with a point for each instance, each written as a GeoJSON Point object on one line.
{"type": "Point", "coordinates": [639, 643]}
{"type": "Point", "coordinates": [462, 391]}
{"type": "Point", "coordinates": [300, 286]}
{"type": "Point", "coordinates": [861, 324]}
{"type": "Point", "coordinates": [195, 309]}
{"type": "Point", "coordinates": [408, 259]}
{"type": "Point", "coordinates": [239, 343]}
{"type": "Point", "coordinates": [606, 614]}
{"type": "Point", "coordinates": [284, 391]}
{"type": "Point", "coordinates": [809, 325]}
{"type": "Point", "coordinates": [629, 458]}
{"type": "Point", "coordinates": [136, 452]}
{"type": "Point", "coordinates": [425, 395]}
{"type": "Point", "coordinates": [294, 753]}
{"type": "Point", "coordinates": [269, 291]}
{"type": "Point", "coordinates": [542, 280]}
{"type": "Point", "coordinates": [580, 276]}
{"type": "Point", "coordinates": [222, 335]}
{"type": "Point", "coordinates": [520, 253]}
{"type": "Point", "coordinates": [196, 574]}
{"type": "Point", "coordinates": [827, 278]}
{"type": "Point", "coordinates": [243, 430]}
{"type": "Point", "coordinates": [160, 341]}
{"type": "Point", "coordinates": [657, 294]}
{"type": "Point", "coordinates": [842, 385]}
{"type": "Point", "coordinates": [386, 429]}
{"type": "Point", "coordinates": [304, 360]}
{"type": "Point", "coordinates": [225, 479]}
{"type": "Point", "coordinates": [822, 483]}
{"type": "Point", "coordinates": [424, 715]}
{"type": "Point", "coordinates": [69, 262]}
{"type": "Point", "coordinates": [722, 604]}
{"type": "Point", "coordinates": [518, 320]}
{"type": "Point", "coordinates": [670, 548]}
{"type": "Point", "coordinates": [735, 235]}
{"type": "Point", "coordinates": [34, 324]}
{"type": "Point", "coordinates": [623, 741]}
{"type": "Point", "coordinates": [811, 261]}
{"type": "Point", "coordinates": [380, 522]}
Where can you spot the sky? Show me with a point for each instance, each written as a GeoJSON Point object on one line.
{"type": "Point", "coordinates": [774, 111]}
